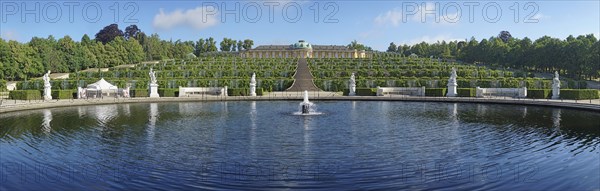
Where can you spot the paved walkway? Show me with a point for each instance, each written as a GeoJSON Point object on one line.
{"type": "Point", "coordinates": [303, 79]}
{"type": "Point", "coordinates": [18, 105]}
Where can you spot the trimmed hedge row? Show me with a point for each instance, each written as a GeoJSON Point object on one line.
{"type": "Point", "coordinates": [465, 92]}
{"type": "Point", "coordinates": [63, 94]}
{"type": "Point", "coordinates": [435, 92]}
{"type": "Point", "coordinates": [366, 91]}
{"type": "Point", "coordinates": [579, 94]}
{"type": "Point", "coordinates": [138, 93]}
{"type": "Point", "coordinates": [243, 91]}
{"type": "Point", "coordinates": [25, 94]}
{"type": "Point", "coordinates": [539, 93]}
{"type": "Point", "coordinates": [168, 92]}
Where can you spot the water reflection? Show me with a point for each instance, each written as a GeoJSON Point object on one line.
{"type": "Point", "coordinates": [152, 117]}
{"type": "Point", "coordinates": [46, 121]}
{"type": "Point", "coordinates": [556, 118]}
{"type": "Point", "coordinates": [105, 113]}
{"type": "Point", "coordinates": [253, 119]}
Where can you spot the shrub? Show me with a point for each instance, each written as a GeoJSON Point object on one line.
{"type": "Point", "coordinates": [465, 92]}
{"type": "Point", "coordinates": [579, 94]}
{"type": "Point", "coordinates": [243, 91]}
{"type": "Point", "coordinates": [435, 92]}
{"type": "Point", "coordinates": [25, 94]}
{"type": "Point", "coordinates": [62, 94]}
{"type": "Point", "coordinates": [168, 92]}
{"type": "Point", "coordinates": [139, 92]}
{"type": "Point", "coordinates": [539, 93]}
{"type": "Point", "coordinates": [366, 91]}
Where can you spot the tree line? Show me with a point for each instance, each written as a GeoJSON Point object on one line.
{"type": "Point", "coordinates": [110, 47]}
{"type": "Point", "coordinates": [576, 57]}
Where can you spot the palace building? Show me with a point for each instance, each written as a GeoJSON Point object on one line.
{"type": "Point", "coordinates": [302, 49]}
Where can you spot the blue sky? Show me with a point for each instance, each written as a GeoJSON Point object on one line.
{"type": "Point", "coordinates": [374, 23]}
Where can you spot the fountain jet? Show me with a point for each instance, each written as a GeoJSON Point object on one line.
{"type": "Point", "coordinates": [305, 104]}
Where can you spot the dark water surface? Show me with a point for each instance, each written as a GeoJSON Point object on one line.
{"type": "Point", "coordinates": [263, 145]}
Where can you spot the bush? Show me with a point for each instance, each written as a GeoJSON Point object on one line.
{"type": "Point", "coordinates": [25, 94]}
{"type": "Point", "coordinates": [366, 91]}
{"type": "Point", "coordinates": [435, 92]}
{"type": "Point", "coordinates": [168, 92]}
{"type": "Point", "coordinates": [139, 92]}
{"type": "Point", "coordinates": [539, 93]}
{"type": "Point", "coordinates": [243, 91]}
{"type": "Point", "coordinates": [62, 94]}
{"type": "Point", "coordinates": [465, 92]}
{"type": "Point", "coordinates": [579, 94]}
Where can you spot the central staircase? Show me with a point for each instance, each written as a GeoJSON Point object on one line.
{"type": "Point", "coordinates": [303, 79]}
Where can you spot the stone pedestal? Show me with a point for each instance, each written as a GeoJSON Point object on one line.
{"type": "Point", "coordinates": [352, 91]}
{"type": "Point", "coordinates": [154, 90]}
{"type": "Point", "coordinates": [252, 89]}
{"type": "Point", "coordinates": [555, 93]}
{"type": "Point", "coordinates": [47, 92]}
{"type": "Point", "coordinates": [452, 90]}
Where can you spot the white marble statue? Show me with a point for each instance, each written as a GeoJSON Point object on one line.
{"type": "Point", "coordinates": [253, 85]}
{"type": "Point", "coordinates": [153, 85]}
{"type": "Point", "coordinates": [152, 76]}
{"type": "Point", "coordinates": [452, 84]}
{"type": "Point", "coordinates": [47, 86]}
{"type": "Point", "coordinates": [556, 86]}
{"type": "Point", "coordinates": [352, 88]}
{"type": "Point", "coordinates": [452, 76]}
{"type": "Point", "coordinates": [46, 78]}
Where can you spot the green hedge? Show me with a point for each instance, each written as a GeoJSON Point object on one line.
{"type": "Point", "coordinates": [25, 94]}
{"type": "Point", "coordinates": [435, 92]}
{"type": "Point", "coordinates": [62, 94]}
{"type": "Point", "coordinates": [465, 92]}
{"type": "Point", "coordinates": [579, 94]}
{"type": "Point", "coordinates": [243, 91]}
{"type": "Point", "coordinates": [168, 92]}
{"type": "Point", "coordinates": [366, 91]}
{"type": "Point", "coordinates": [539, 93]}
{"type": "Point", "coordinates": [138, 93]}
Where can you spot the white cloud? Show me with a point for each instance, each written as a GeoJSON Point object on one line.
{"type": "Point", "coordinates": [393, 17]}
{"type": "Point", "coordinates": [197, 18]}
{"type": "Point", "coordinates": [432, 39]}
{"type": "Point", "coordinates": [539, 16]}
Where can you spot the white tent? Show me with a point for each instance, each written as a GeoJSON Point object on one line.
{"type": "Point", "coordinates": [101, 87]}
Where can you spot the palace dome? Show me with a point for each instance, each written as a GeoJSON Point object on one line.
{"type": "Point", "coordinates": [301, 44]}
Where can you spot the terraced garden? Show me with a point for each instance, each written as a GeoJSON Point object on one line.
{"type": "Point", "coordinates": [332, 74]}
{"type": "Point", "coordinates": [273, 74]}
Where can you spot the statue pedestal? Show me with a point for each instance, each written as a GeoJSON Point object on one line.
{"type": "Point", "coordinates": [252, 89]}
{"type": "Point", "coordinates": [452, 90]}
{"type": "Point", "coordinates": [555, 93]}
{"type": "Point", "coordinates": [47, 92]}
{"type": "Point", "coordinates": [352, 91]}
{"type": "Point", "coordinates": [154, 90]}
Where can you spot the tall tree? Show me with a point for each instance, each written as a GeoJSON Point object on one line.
{"type": "Point", "coordinates": [109, 33]}
{"type": "Point", "coordinates": [392, 47]}
{"type": "Point", "coordinates": [132, 31]}
{"type": "Point", "coordinates": [248, 44]}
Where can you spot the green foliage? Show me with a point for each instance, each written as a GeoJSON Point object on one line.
{"type": "Point", "coordinates": [435, 92]}
{"type": "Point", "coordinates": [62, 94]}
{"type": "Point", "coordinates": [465, 92]}
{"type": "Point", "coordinates": [138, 93]}
{"type": "Point", "coordinates": [25, 94]}
{"type": "Point", "coordinates": [168, 92]}
{"type": "Point", "coordinates": [243, 91]}
{"type": "Point", "coordinates": [366, 91]}
{"type": "Point", "coordinates": [579, 94]}
{"type": "Point", "coordinates": [539, 93]}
